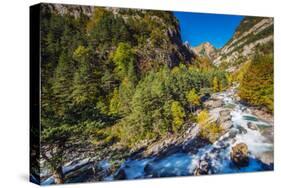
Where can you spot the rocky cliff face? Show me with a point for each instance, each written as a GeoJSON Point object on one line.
{"type": "Point", "coordinates": [163, 44]}
{"type": "Point", "coordinates": [63, 9]}
{"type": "Point", "coordinates": [206, 50]}
{"type": "Point", "coordinates": [250, 34]}
{"type": "Point", "coordinates": [158, 33]}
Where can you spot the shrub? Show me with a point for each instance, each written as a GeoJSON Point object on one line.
{"type": "Point", "coordinates": [208, 130]}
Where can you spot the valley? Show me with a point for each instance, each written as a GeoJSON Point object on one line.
{"type": "Point", "coordinates": [123, 97]}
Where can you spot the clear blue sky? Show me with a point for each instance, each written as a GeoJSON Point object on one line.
{"type": "Point", "coordinates": [214, 28]}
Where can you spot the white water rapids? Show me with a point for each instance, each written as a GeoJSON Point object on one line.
{"type": "Point", "coordinates": [183, 164]}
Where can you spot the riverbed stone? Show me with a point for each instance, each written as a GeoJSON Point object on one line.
{"type": "Point", "coordinates": [252, 126]}
{"type": "Point", "coordinates": [227, 125]}
{"type": "Point", "coordinates": [213, 103]}
{"type": "Point", "coordinates": [241, 129]}
{"type": "Point", "coordinates": [203, 168]}
{"type": "Point", "coordinates": [240, 155]}
{"type": "Point", "coordinates": [232, 133]}
{"type": "Point", "coordinates": [224, 116]}
{"type": "Point", "coordinates": [121, 175]}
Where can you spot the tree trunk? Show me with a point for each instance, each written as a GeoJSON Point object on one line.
{"type": "Point", "coordinates": [58, 176]}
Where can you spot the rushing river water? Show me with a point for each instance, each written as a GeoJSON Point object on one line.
{"type": "Point", "coordinates": [260, 147]}
{"type": "Point", "coordinates": [183, 164]}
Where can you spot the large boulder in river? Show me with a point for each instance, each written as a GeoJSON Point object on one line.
{"type": "Point", "coordinates": [225, 115]}
{"type": "Point", "coordinates": [203, 168]}
{"type": "Point", "coordinates": [240, 155]}
{"type": "Point", "coordinates": [252, 126]}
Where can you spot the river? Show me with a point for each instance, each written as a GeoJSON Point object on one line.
{"type": "Point", "coordinates": [259, 140]}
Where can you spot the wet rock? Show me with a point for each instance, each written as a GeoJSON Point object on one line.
{"type": "Point", "coordinates": [267, 132]}
{"type": "Point", "coordinates": [121, 175]}
{"type": "Point", "coordinates": [194, 145]}
{"type": "Point", "coordinates": [227, 125]}
{"type": "Point", "coordinates": [243, 108]}
{"type": "Point", "coordinates": [148, 168]}
{"type": "Point", "coordinates": [252, 126]}
{"type": "Point", "coordinates": [232, 133]}
{"type": "Point", "coordinates": [225, 115]}
{"type": "Point", "coordinates": [222, 144]}
{"type": "Point", "coordinates": [239, 155]}
{"type": "Point", "coordinates": [242, 130]}
{"type": "Point", "coordinates": [266, 157]}
{"type": "Point", "coordinates": [262, 114]}
{"type": "Point", "coordinates": [58, 176]}
{"type": "Point", "coordinates": [205, 97]}
{"type": "Point", "coordinates": [203, 168]}
{"type": "Point", "coordinates": [224, 119]}
{"type": "Point", "coordinates": [213, 103]}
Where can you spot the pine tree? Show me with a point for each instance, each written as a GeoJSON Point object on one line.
{"type": "Point", "coordinates": [114, 107]}
{"type": "Point", "coordinates": [193, 99]}
{"type": "Point", "coordinates": [178, 115]}
{"type": "Point", "coordinates": [85, 84]}
{"type": "Point", "coordinates": [216, 87]}
{"type": "Point", "coordinates": [256, 86]}
{"type": "Point", "coordinates": [61, 84]}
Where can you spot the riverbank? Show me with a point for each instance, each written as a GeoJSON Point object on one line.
{"type": "Point", "coordinates": [188, 154]}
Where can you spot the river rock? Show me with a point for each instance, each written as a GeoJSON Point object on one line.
{"type": "Point", "coordinates": [227, 125]}
{"type": "Point", "coordinates": [121, 175]}
{"type": "Point", "coordinates": [266, 157]}
{"type": "Point", "coordinates": [224, 119]}
{"type": "Point", "coordinates": [232, 133]}
{"type": "Point", "coordinates": [213, 103]}
{"type": "Point", "coordinates": [239, 155]}
{"type": "Point", "coordinates": [203, 168]}
{"type": "Point", "coordinates": [225, 115]}
{"type": "Point", "coordinates": [241, 130]}
{"type": "Point", "coordinates": [262, 114]}
{"type": "Point", "coordinates": [194, 145]}
{"type": "Point", "coordinates": [58, 176]}
{"type": "Point", "coordinates": [252, 126]}
{"type": "Point", "coordinates": [148, 169]}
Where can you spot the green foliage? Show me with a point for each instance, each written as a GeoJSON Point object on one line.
{"type": "Point", "coordinates": [159, 103]}
{"type": "Point", "coordinates": [125, 61]}
{"type": "Point", "coordinates": [192, 98]}
{"type": "Point", "coordinates": [238, 76]}
{"type": "Point", "coordinates": [203, 117]}
{"type": "Point", "coordinates": [81, 53]}
{"type": "Point", "coordinates": [85, 85]}
{"type": "Point", "coordinates": [208, 130]}
{"type": "Point", "coordinates": [157, 38]}
{"type": "Point", "coordinates": [178, 115]}
{"type": "Point", "coordinates": [105, 28]}
{"type": "Point", "coordinates": [203, 63]}
{"type": "Point", "coordinates": [256, 86]}
{"type": "Point", "coordinates": [125, 67]}
{"type": "Point", "coordinates": [114, 102]}
{"type": "Point", "coordinates": [229, 78]}
{"type": "Point", "coordinates": [211, 132]}
{"type": "Point", "coordinates": [216, 86]}
{"type": "Point", "coordinates": [98, 88]}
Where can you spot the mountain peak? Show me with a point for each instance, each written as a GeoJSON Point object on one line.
{"type": "Point", "coordinates": [205, 49]}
